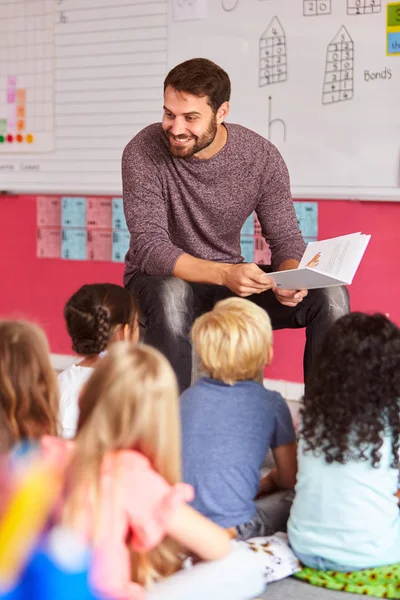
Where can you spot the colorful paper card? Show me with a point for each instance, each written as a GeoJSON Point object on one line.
{"type": "Point", "coordinates": [247, 248]}
{"type": "Point", "coordinates": [120, 245]}
{"type": "Point", "coordinates": [99, 245]}
{"type": "Point", "coordinates": [118, 215]}
{"type": "Point", "coordinates": [73, 245]}
{"type": "Point", "coordinates": [262, 251]}
{"type": "Point", "coordinates": [73, 211]}
{"type": "Point", "coordinates": [393, 28]}
{"type": "Point", "coordinates": [248, 226]}
{"type": "Point", "coordinates": [48, 242]}
{"type": "Point", "coordinates": [98, 213]}
{"type": "Point", "coordinates": [48, 211]}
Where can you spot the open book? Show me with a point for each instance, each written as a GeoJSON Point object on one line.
{"type": "Point", "coordinates": [325, 263]}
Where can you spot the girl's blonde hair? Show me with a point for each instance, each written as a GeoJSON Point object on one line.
{"type": "Point", "coordinates": [129, 403]}
{"type": "Point", "coordinates": [28, 383]}
{"type": "Point", "coordinates": [233, 340]}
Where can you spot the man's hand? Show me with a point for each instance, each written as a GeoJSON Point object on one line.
{"type": "Point", "coordinates": [245, 279]}
{"type": "Point", "coordinates": [289, 297]}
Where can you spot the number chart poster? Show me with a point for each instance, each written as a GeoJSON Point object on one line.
{"type": "Point", "coordinates": [27, 76]}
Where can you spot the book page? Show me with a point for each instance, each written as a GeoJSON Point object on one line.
{"type": "Point", "coordinates": [338, 257]}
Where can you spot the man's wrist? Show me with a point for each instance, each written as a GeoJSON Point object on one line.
{"type": "Point", "coordinates": [221, 273]}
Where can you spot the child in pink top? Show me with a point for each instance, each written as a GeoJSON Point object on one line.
{"type": "Point", "coordinates": [124, 494]}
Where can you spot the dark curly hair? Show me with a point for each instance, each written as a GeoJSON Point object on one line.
{"type": "Point", "coordinates": [93, 313]}
{"type": "Point", "coordinates": [352, 398]}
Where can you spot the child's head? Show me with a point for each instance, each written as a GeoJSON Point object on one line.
{"type": "Point", "coordinates": [99, 313]}
{"type": "Point", "coordinates": [233, 340]}
{"type": "Point", "coordinates": [129, 403]}
{"type": "Point", "coordinates": [28, 384]}
{"type": "Point", "coordinates": [353, 393]}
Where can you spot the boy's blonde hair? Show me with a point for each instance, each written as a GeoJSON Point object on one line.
{"type": "Point", "coordinates": [233, 340]}
{"type": "Point", "coordinates": [28, 384]}
{"type": "Point", "coordinates": [129, 403]}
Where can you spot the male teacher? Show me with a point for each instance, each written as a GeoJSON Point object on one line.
{"type": "Point", "coordinates": [189, 184]}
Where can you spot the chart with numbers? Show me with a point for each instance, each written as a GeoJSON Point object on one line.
{"type": "Point", "coordinates": [339, 69]}
{"type": "Point", "coordinates": [272, 54]}
{"type": "Point", "coordinates": [27, 75]}
{"type": "Point", "coordinates": [363, 7]}
{"type": "Point", "coordinates": [316, 7]}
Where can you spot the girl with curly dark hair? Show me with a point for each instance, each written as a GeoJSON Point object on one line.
{"type": "Point", "coordinates": [345, 515]}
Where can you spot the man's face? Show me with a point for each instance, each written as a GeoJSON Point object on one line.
{"type": "Point", "coordinates": [189, 123]}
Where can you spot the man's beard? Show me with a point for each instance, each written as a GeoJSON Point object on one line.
{"type": "Point", "coordinates": [200, 143]}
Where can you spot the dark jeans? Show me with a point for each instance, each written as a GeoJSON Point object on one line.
{"type": "Point", "coordinates": [169, 306]}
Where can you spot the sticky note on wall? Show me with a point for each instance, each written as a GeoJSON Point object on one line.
{"type": "Point", "coordinates": [118, 215]}
{"type": "Point", "coordinates": [120, 245]}
{"type": "Point", "coordinates": [393, 28]}
{"type": "Point", "coordinates": [73, 211]}
{"type": "Point", "coordinates": [73, 244]}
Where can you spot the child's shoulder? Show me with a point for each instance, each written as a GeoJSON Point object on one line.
{"type": "Point", "coordinates": [73, 376]}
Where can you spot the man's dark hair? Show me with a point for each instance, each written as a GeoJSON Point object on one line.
{"type": "Point", "coordinates": [352, 400]}
{"type": "Point", "coordinates": [201, 77]}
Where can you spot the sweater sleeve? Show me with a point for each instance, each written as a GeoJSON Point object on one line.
{"type": "Point", "coordinates": [146, 213]}
{"type": "Point", "coordinates": [276, 213]}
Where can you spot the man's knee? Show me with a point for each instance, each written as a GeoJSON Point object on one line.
{"type": "Point", "coordinates": [333, 301]}
{"type": "Point", "coordinates": [168, 304]}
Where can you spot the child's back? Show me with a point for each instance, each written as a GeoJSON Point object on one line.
{"type": "Point", "coordinates": [230, 421]}
{"type": "Point", "coordinates": [71, 382]}
{"type": "Point", "coordinates": [345, 515]}
{"type": "Point", "coordinates": [96, 315]}
{"type": "Point", "coordinates": [123, 493]}
{"type": "Point", "coordinates": [226, 433]}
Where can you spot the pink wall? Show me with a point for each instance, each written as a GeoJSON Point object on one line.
{"type": "Point", "coordinates": [38, 288]}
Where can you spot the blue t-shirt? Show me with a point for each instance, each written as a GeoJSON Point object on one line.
{"type": "Point", "coordinates": [347, 513]}
{"type": "Point", "coordinates": [226, 433]}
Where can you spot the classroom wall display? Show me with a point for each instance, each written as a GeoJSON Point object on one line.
{"type": "Point", "coordinates": [26, 77]}
{"type": "Point", "coordinates": [319, 78]}
{"type": "Point", "coordinates": [81, 228]}
{"type": "Point", "coordinates": [94, 228]}
{"type": "Point", "coordinates": [110, 62]}
{"type": "Point", "coordinates": [316, 78]}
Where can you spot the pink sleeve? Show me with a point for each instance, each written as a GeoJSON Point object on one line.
{"type": "Point", "coordinates": [150, 503]}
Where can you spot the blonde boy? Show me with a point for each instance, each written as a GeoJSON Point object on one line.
{"type": "Point", "coordinates": [229, 422]}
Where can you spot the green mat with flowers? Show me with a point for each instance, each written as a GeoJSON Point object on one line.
{"type": "Point", "coordinates": [381, 582]}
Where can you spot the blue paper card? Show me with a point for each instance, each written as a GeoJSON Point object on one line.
{"type": "Point", "coordinates": [307, 218]}
{"type": "Point", "coordinates": [248, 226]}
{"type": "Point", "coordinates": [73, 244]}
{"type": "Point", "coordinates": [118, 216]}
{"type": "Point", "coordinates": [247, 248]}
{"type": "Point", "coordinates": [393, 40]}
{"type": "Point", "coordinates": [120, 245]}
{"type": "Point", "coordinates": [73, 211]}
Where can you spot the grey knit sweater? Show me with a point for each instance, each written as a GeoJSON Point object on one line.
{"type": "Point", "coordinates": [188, 205]}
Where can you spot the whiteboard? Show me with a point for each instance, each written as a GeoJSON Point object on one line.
{"type": "Point", "coordinates": [110, 63]}
{"type": "Point", "coordinates": [332, 102]}
{"type": "Point", "coordinates": [109, 60]}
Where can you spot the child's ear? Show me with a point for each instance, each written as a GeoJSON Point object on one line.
{"type": "Point", "coordinates": [270, 355]}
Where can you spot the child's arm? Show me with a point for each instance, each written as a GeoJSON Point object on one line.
{"type": "Point", "coordinates": [198, 534]}
{"type": "Point", "coordinates": [284, 475]}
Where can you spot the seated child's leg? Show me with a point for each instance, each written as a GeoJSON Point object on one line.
{"type": "Point", "coordinates": [271, 516]}
{"type": "Point", "coordinates": [239, 576]}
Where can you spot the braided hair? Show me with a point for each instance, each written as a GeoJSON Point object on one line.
{"type": "Point", "coordinates": [352, 399]}
{"type": "Point", "coordinates": [93, 313]}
